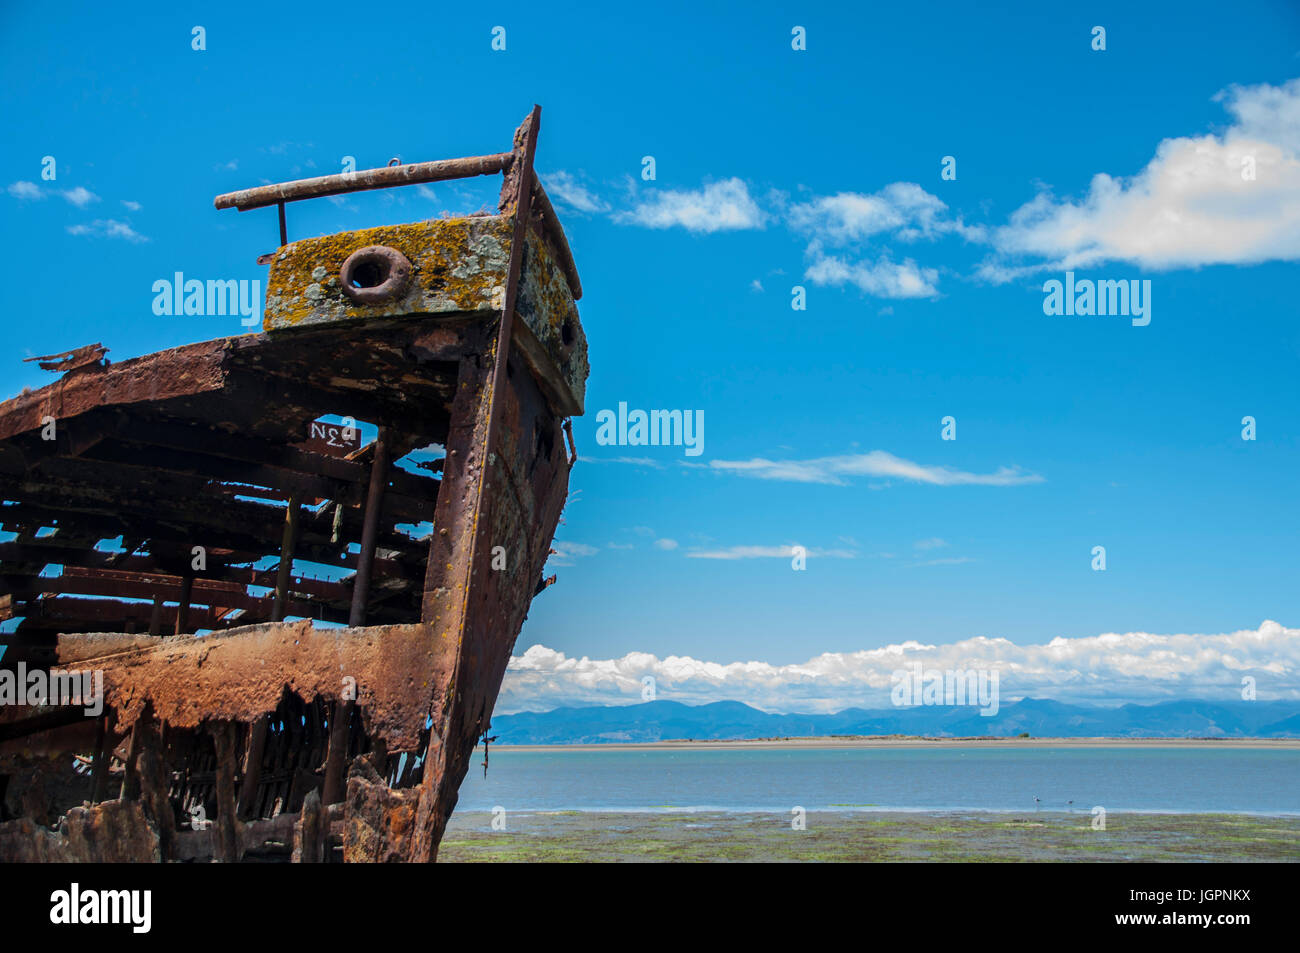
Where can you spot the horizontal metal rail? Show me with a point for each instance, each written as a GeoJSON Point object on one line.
{"type": "Point", "coordinates": [413, 173]}
{"type": "Point", "coordinates": [364, 180]}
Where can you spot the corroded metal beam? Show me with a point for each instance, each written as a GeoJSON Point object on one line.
{"type": "Point", "coordinates": [370, 530]}
{"type": "Point", "coordinates": [413, 173]}
{"type": "Point", "coordinates": [287, 544]}
{"type": "Point", "coordinates": [85, 356]}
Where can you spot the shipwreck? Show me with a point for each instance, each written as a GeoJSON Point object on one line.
{"type": "Point", "coordinates": [159, 513]}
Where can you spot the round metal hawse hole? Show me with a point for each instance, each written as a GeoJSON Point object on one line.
{"type": "Point", "coordinates": [375, 273]}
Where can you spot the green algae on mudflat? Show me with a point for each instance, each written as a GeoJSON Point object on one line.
{"type": "Point", "coordinates": [888, 836]}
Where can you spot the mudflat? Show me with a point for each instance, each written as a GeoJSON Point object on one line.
{"type": "Point", "coordinates": [854, 835]}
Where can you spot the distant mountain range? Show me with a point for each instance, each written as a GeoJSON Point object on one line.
{"type": "Point", "coordinates": [667, 720]}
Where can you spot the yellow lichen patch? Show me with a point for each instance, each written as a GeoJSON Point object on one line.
{"type": "Point", "coordinates": [457, 265]}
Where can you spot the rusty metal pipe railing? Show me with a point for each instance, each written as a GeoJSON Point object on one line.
{"type": "Point", "coordinates": [364, 180]}
{"type": "Point", "coordinates": [413, 173]}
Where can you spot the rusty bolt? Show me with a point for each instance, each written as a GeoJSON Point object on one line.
{"type": "Point", "coordinates": [374, 274]}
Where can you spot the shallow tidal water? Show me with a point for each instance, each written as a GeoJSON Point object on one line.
{"type": "Point", "coordinates": [1118, 778]}
{"type": "Point", "coordinates": [960, 804]}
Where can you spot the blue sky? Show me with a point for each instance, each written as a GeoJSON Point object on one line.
{"type": "Point", "coordinates": [775, 168]}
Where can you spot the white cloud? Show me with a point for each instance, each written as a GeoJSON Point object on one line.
{"type": "Point", "coordinates": [131, 206]}
{"type": "Point", "coordinates": [569, 191]}
{"type": "Point", "coordinates": [768, 552]}
{"type": "Point", "coordinates": [745, 552]}
{"type": "Point", "coordinates": [877, 463]}
{"type": "Point", "coordinates": [901, 210]}
{"type": "Point", "coordinates": [932, 543]}
{"type": "Point", "coordinates": [107, 228]}
{"type": "Point", "coordinates": [25, 190]}
{"type": "Point", "coordinates": [79, 196]}
{"type": "Point", "coordinates": [881, 279]}
{"type": "Point", "coordinates": [719, 206]}
{"type": "Point", "coordinates": [634, 461]}
{"type": "Point", "coordinates": [1189, 206]}
{"type": "Point", "coordinates": [666, 544]}
{"type": "Point", "coordinates": [902, 207]}
{"type": "Point", "coordinates": [565, 553]}
{"type": "Point", "coordinates": [1136, 666]}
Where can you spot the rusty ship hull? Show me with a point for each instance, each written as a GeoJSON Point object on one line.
{"type": "Point", "coordinates": [271, 735]}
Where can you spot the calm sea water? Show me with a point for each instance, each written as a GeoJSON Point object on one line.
{"type": "Point", "coordinates": [1263, 781]}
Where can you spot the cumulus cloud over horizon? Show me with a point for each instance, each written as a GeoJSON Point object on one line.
{"type": "Point", "coordinates": [1110, 668]}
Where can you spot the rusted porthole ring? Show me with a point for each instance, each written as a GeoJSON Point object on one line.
{"type": "Point", "coordinates": [375, 273]}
